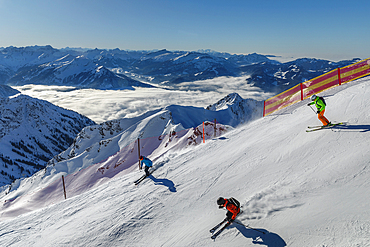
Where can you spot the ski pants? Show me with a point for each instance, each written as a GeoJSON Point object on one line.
{"type": "Point", "coordinates": [232, 215]}
{"type": "Point", "coordinates": [146, 169]}
{"type": "Point", "coordinates": [229, 215]}
{"type": "Point", "coordinates": [323, 119]}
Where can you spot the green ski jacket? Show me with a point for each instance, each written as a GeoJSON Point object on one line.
{"type": "Point", "coordinates": [319, 104]}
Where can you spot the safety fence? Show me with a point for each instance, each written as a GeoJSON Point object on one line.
{"type": "Point", "coordinates": [125, 161]}
{"type": "Point", "coordinates": [316, 85]}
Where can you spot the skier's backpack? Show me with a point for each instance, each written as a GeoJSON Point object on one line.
{"type": "Point", "coordinates": [232, 200]}
{"type": "Point", "coordinates": [322, 100]}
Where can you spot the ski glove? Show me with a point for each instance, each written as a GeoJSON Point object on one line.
{"type": "Point", "coordinates": [220, 206]}
{"type": "Point", "coordinates": [318, 112]}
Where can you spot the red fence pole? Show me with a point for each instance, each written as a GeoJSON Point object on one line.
{"type": "Point", "coordinates": [264, 105]}
{"type": "Point", "coordinates": [339, 79]}
{"type": "Point", "coordinates": [301, 91]}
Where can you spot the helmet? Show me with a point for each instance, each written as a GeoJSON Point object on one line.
{"type": "Point", "coordinates": [141, 157]}
{"type": "Point", "coordinates": [220, 201]}
{"type": "Point", "coordinates": [313, 97]}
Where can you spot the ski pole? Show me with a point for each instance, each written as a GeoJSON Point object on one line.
{"type": "Point", "coordinates": [312, 109]}
{"type": "Point", "coordinates": [249, 227]}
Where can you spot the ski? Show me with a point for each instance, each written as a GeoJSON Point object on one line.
{"type": "Point", "coordinates": [319, 126]}
{"type": "Point", "coordinates": [137, 182]}
{"type": "Point", "coordinates": [143, 177]}
{"type": "Point", "coordinates": [219, 231]}
{"type": "Point", "coordinates": [314, 128]}
{"type": "Point", "coordinates": [217, 226]}
{"type": "Point", "coordinates": [220, 224]}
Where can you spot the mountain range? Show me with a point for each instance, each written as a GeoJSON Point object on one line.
{"type": "Point", "coordinates": [124, 69]}
{"type": "Point", "coordinates": [32, 131]}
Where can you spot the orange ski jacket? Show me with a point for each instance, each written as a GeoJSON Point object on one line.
{"type": "Point", "coordinates": [231, 208]}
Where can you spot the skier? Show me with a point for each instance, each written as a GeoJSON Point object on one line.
{"type": "Point", "coordinates": [147, 163]}
{"type": "Point", "coordinates": [320, 105]}
{"type": "Point", "coordinates": [232, 206]}
{"type": "Point", "coordinates": [233, 209]}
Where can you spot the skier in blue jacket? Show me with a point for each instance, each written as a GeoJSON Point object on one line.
{"type": "Point", "coordinates": [147, 163]}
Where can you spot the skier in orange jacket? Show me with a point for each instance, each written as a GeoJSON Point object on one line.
{"type": "Point", "coordinates": [232, 206]}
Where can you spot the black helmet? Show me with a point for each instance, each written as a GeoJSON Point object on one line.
{"type": "Point", "coordinates": [220, 201]}
{"type": "Point", "coordinates": [313, 97]}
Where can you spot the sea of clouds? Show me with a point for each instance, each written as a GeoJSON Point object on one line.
{"type": "Point", "coordinates": [105, 105]}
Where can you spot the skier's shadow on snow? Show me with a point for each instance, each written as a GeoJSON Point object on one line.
{"type": "Point", "coordinates": [268, 239]}
{"type": "Point", "coordinates": [165, 182]}
{"type": "Point", "coordinates": [349, 127]}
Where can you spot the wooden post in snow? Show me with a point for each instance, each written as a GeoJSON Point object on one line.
{"type": "Point", "coordinates": [215, 128]}
{"type": "Point", "coordinates": [138, 151]}
{"type": "Point", "coordinates": [64, 187]}
{"type": "Point", "coordinates": [204, 141]}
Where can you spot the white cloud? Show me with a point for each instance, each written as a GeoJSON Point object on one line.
{"type": "Point", "coordinates": [104, 105]}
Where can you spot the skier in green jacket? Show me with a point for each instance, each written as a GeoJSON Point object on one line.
{"type": "Point", "coordinates": [320, 105]}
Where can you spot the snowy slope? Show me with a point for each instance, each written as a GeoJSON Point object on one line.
{"type": "Point", "coordinates": [96, 143]}
{"type": "Point", "coordinates": [302, 189]}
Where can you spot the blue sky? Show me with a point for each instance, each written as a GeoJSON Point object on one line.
{"type": "Point", "coordinates": [326, 29]}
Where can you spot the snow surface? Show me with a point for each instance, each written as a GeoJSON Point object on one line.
{"type": "Point", "coordinates": [301, 189]}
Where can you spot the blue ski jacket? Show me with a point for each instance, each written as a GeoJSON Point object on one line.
{"type": "Point", "coordinates": [147, 162]}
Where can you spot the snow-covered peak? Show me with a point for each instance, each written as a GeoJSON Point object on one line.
{"type": "Point", "coordinates": [17, 57]}
{"type": "Point", "coordinates": [240, 110]}
{"type": "Point", "coordinates": [225, 102]}
{"type": "Point", "coordinates": [32, 131]}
